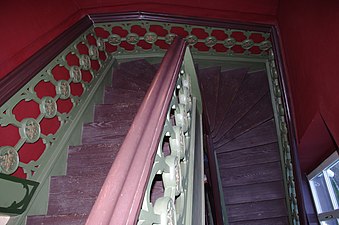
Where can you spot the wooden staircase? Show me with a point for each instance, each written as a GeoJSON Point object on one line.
{"type": "Point", "coordinates": [242, 131]}
{"type": "Point", "coordinates": [72, 196]}
{"type": "Point", "coordinates": [239, 112]}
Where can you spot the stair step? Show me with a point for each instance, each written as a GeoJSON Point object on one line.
{"type": "Point", "coordinates": [270, 221]}
{"type": "Point", "coordinates": [98, 157]}
{"type": "Point", "coordinates": [249, 156]}
{"type": "Point", "coordinates": [67, 219]}
{"type": "Point", "coordinates": [94, 148]}
{"type": "Point", "coordinates": [75, 194]}
{"type": "Point", "coordinates": [119, 95]}
{"type": "Point", "coordinates": [104, 132]}
{"type": "Point", "coordinates": [209, 83]}
{"type": "Point", "coordinates": [259, 113]}
{"type": "Point", "coordinates": [264, 133]}
{"type": "Point", "coordinates": [116, 112]}
{"type": "Point", "coordinates": [252, 174]}
{"type": "Point", "coordinates": [122, 79]}
{"type": "Point", "coordinates": [139, 69]}
{"type": "Point", "coordinates": [230, 81]}
{"type": "Point", "coordinates": [253, 88]}
{"type": "Point", "coordinates": [257, 210]}
{"type": "Point", "coordinates": [254, 192]}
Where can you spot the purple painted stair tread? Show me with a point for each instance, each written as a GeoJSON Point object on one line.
{"type": "Point", "coordinates": [139, 69]}
{"type": "Point", "coordinates": [103, 132]}
{"type": "Point", "coordinates": [252, 174]}
{"type": "Point", "coordinates": [249, 156]}
{"type": "Point", "coordinates": [72, 196]}
{"type": "Point", "coordinates": [94, 148]}
{"type": "Point", "coordinates": [253, 88]}
{"type": "Point", "coordinates": [123, 79]}
{"type": "Point", "coordinates": [264, 133]}
{"type": "Point", "coordinates": [257, 210]}
{"type": "Point", "coordinates": [116, 112]}
{"type": "Point", "coordinates": [92, 158]}
{"type": "Point", "coordinates": [254, 192]}
{"type": "Point", "coordinates": [209, 86]}
{"type": "Point", "coordinates": [67, 219]}
{"type": "Point", "coordinates": [230, 82]}
{"type": "Point", "coordinates": [259, 113]}
{"type": "Point", "coordinates": [269, 221]}
{"type": "Point", "coordinates": [119, 95]}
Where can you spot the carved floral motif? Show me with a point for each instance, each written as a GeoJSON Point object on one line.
{"type": "Point", "coordinates": [30, 130]}
{"type": "Point", "coordinates": [210, 41]}
{"type": "Point", "coordinates": [75, 73]}
{"type": "Point", "coordinates": [9, 160]}
{"type": "Point", "coordinates": [85, 62]}
{"type": "Point", "coordinates": [132, 38]}
{"type": "Point", "coordinates": [229, 42]}
{"type": "Point", "coordinates": [150, 37]}
{"type": "Point", "coordinates": [114, 39]}
{"type": "Point", "coordinates": [169, 38]}
{"type": "Point", "coordinates": [48, 107]}
{"type": "Point", "coordinates": [63, 89]}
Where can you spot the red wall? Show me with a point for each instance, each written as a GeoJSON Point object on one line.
{"type": "Point", "coordinates": [28, 25]}
{"type": "Point", "coordinates": [310, 34]}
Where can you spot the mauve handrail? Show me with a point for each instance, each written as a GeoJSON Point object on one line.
{"type": "Point", "coordinates": [122, 193]}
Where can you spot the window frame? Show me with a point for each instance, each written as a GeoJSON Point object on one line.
{"type": "Point", "coordinates": [325, 216]}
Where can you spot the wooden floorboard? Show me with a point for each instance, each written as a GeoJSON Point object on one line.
{"type": "Point", "coordinates": [256, 210]}
{"type": "Point", "coordinates": [230, 81]}
{"type": "Point", "coordinates": [209, 78]}
{"type": "Point", "coordinates": [254, 192]}
{"type": "Point", "coordinates": [264, 133]}
{"type": "Point", "coordinates": [249, 156]}
{"type": "Point", "coordinates": [261, 112]}
{"type": "Point", "coordinates": [250, 174]}
{"type": "Point", "coordinates": [253, 88]}
{"type": "Point", "coordinates": [271, 221]}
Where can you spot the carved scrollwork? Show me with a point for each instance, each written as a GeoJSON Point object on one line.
{"type": "Point", "coordinates": [172, 177]}
{"type": "Point", "coordinates": [181, 117]}
{"type": "Point", "coordinates": [192, 39]}
{"type": "Point", "coordinates": [229, 42]}
{"type": "Point", "coordinates": [265, 45]}
{"type": "Point", "coordinates": [75, 73]}
{"type": "Point", "coordinates": [30, 130]}
{"type": "Point", "coordinates": [177, 142]}
{"type": "Point", "coordinates": [48, 107]}
{"type": "Point", "coordinates": [93, 52]}
{"type": "Point", "coordinates": [9, 160]}
{"type": "Point", "coordinates": [114, 39]}
{"type": "Point", "coordinates": [151, 37]}
{"type": "Point", "coordinates": [169, 38]}
{"type": "Point", "coordinates": [63, 89]}
{"type": "Point", "coordinates": [132, 38]}
{"type": "Point", "coordinates": [247, 44]}
{"type": "Point", "coordinates": [166, 209]}
{"type": "Point", "coordinates": [85, 62]}
{"type": "Point", "coordinates": [101, 44]}
{"type": "Point", "coordinates": [210, 41]}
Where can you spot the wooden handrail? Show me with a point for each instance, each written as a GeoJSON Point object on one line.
{"type": "Point", "coordinates": [121, 196]}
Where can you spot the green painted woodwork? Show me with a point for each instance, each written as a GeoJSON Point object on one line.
{"type": "Point", "coordinates": [213, 41]}
{"type": "Point", "coordinates": [283, 141]}
{"type": "Point", "coordinates": [18, 194]}
{"type": "Point", "coordinates": [53, 161]}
